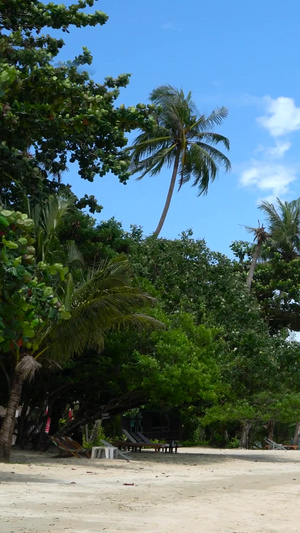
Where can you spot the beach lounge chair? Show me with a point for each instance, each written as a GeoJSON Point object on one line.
{"type": "Point", "coordinates": [274, 446]}
{"type": "Point", "coordinates": [76, 446]}
{"type": "Point", "coordinates": [129, 436]}
{"type": "Point", "coordinates": [68, 447]}
{"type": "Point", "coordinates": [136, 443]}
{"type": "Point", "coordinates": [169, 447]}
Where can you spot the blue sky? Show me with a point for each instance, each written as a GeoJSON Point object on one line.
{"type": "Point", "coordinates": [242, 55]}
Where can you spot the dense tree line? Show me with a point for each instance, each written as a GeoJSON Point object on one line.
{"type": "Point", "coordinates": [109, 320]}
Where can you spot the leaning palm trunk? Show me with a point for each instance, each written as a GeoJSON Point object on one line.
{"type": "Point", "coordinates": [255, 257]}
{"type": "Point", "coordinates": [26, 368]}
{"type": "Point", "coordinates": [170, 194]}
{"type": "Point", "coordinates": [261, 236]}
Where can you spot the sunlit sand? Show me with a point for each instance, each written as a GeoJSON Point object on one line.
{"type": "Point", "coordinates": [196, 490]}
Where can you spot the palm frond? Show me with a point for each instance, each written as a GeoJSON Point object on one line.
{"type": "Point", "coordinates": [144, 145]}
{"type": "Point", "coordinates": [211, 137]}
{"type": "Point", "coordinates": [260, 233]}
{"type": "Point", "coordinates": [55, 210]}
{"type": "Point", "coordinates": [139, 322]}
{"type": "Point", "coordinates": [270, 211]}
{"type": "Point", "coordinates": [153, 164]}
{"type": "Point", "coordinates": [201, 165]}
{"type": "Point", "coordinates": [284, 223]}
{"type": "Point", "coordinates": [74, 256]}
{"type": "Point", "coordinates": [212, 152]}
{"type": "Point", "coordinates": [28, 367]}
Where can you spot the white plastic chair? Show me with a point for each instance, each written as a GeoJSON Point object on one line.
{"type": "Point", "coordinates": [101, 451]}
{"type": "Point", "coordinates": [114, 451]}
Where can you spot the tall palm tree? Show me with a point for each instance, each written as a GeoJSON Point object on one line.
{"type": "Point", "coordinates": [284, 227]}
{"type": "Point", "coordinates": [260, 236]}
{"type": "Point", "coordinates": [181, 139]}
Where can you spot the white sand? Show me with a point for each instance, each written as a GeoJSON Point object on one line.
{"type": "Point", "coordinates": [197, 490]}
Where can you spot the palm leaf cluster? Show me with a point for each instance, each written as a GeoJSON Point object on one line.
{"type": "Point", "coordinates": [284, 227]}
{"type": "Point", "coordinates": [104, 301]}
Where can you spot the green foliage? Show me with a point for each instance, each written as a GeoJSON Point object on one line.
{"type": "Point", "coordinates": [27, 300]}
{"type": "Point", "coordinates": [215, 360]}
{"type": "Point", "coordinates": [55, 114]}
{"type": "Point", "coordinates": [179, 366]}
{"type": "Point", "coordinates": [96, 438]}
{"type": "Point", "coordinates": [96, 242]}
{"type": "Point", "coordinates": [277, 287]}
{"type": "Point", "coordinates": [187, 276]}
{"type": "Point", "coordinates": [260, 408]}
{"type": "Point", "coordinates": [276, 279]}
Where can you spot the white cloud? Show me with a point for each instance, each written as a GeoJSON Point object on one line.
{"type": "Point", "coordinates": [273, 152]}
{"type": "Point", "coordinates": [282, 117]}
{"type": "Point", "coordinates": [269, 178]}
{"type": "Point", "coordinates": [278, 150]}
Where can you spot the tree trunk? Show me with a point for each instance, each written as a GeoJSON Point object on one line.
{"type": "Point", "coordinates": [170, 194]}
{"type": "Point", "coordinates": [270, 429]}
{"type": "Point", "coordinates": [297, 434]}
{"type": "Point", "coordinates": [253, 265]}
{"type": "Point", "coordinates": [245, 435]}
{"type": "Point", "coordinates": [8, 425]}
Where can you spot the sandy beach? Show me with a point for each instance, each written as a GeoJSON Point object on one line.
{"type": "Point", "coordinates": [201, 490]}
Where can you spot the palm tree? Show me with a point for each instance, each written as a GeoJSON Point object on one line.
{"type": "Point", "coordinates": [284, 227]}
{"type": "Point", "coordinates": [283, 235]}
{"type": "Point", "coordinates": [104, 301]}
{"type": "Point", "coordinates": [181, 139]}
{"type": "Point", "coordinates": [260, 236]}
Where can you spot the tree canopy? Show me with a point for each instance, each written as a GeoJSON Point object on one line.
{"type": "Point", "coordinates": [54, 114]}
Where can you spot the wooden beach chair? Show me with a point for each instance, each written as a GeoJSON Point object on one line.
{"type": "Point", "coordinates": [168, 447]}
{"type": "Point", "coordinates": [68, 447]}
{"type": "Point", "coordinates": [136, 444]}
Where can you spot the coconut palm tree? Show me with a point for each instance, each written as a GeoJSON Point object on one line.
{"type": "Point", "coordinates": [180, 138]}
{"type": "Point", "coordinates": [260, 236]}
{"type": "Point", "coordinates": [284, 227]}
{"type": "Point", "coordinates": [283, 233]}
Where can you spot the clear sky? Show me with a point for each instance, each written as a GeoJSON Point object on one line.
{"type": "Point", "coordinates": [242, 55]}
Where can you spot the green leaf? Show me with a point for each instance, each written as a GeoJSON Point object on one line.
{"type": "Point", "coordinates": [11, 245]}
